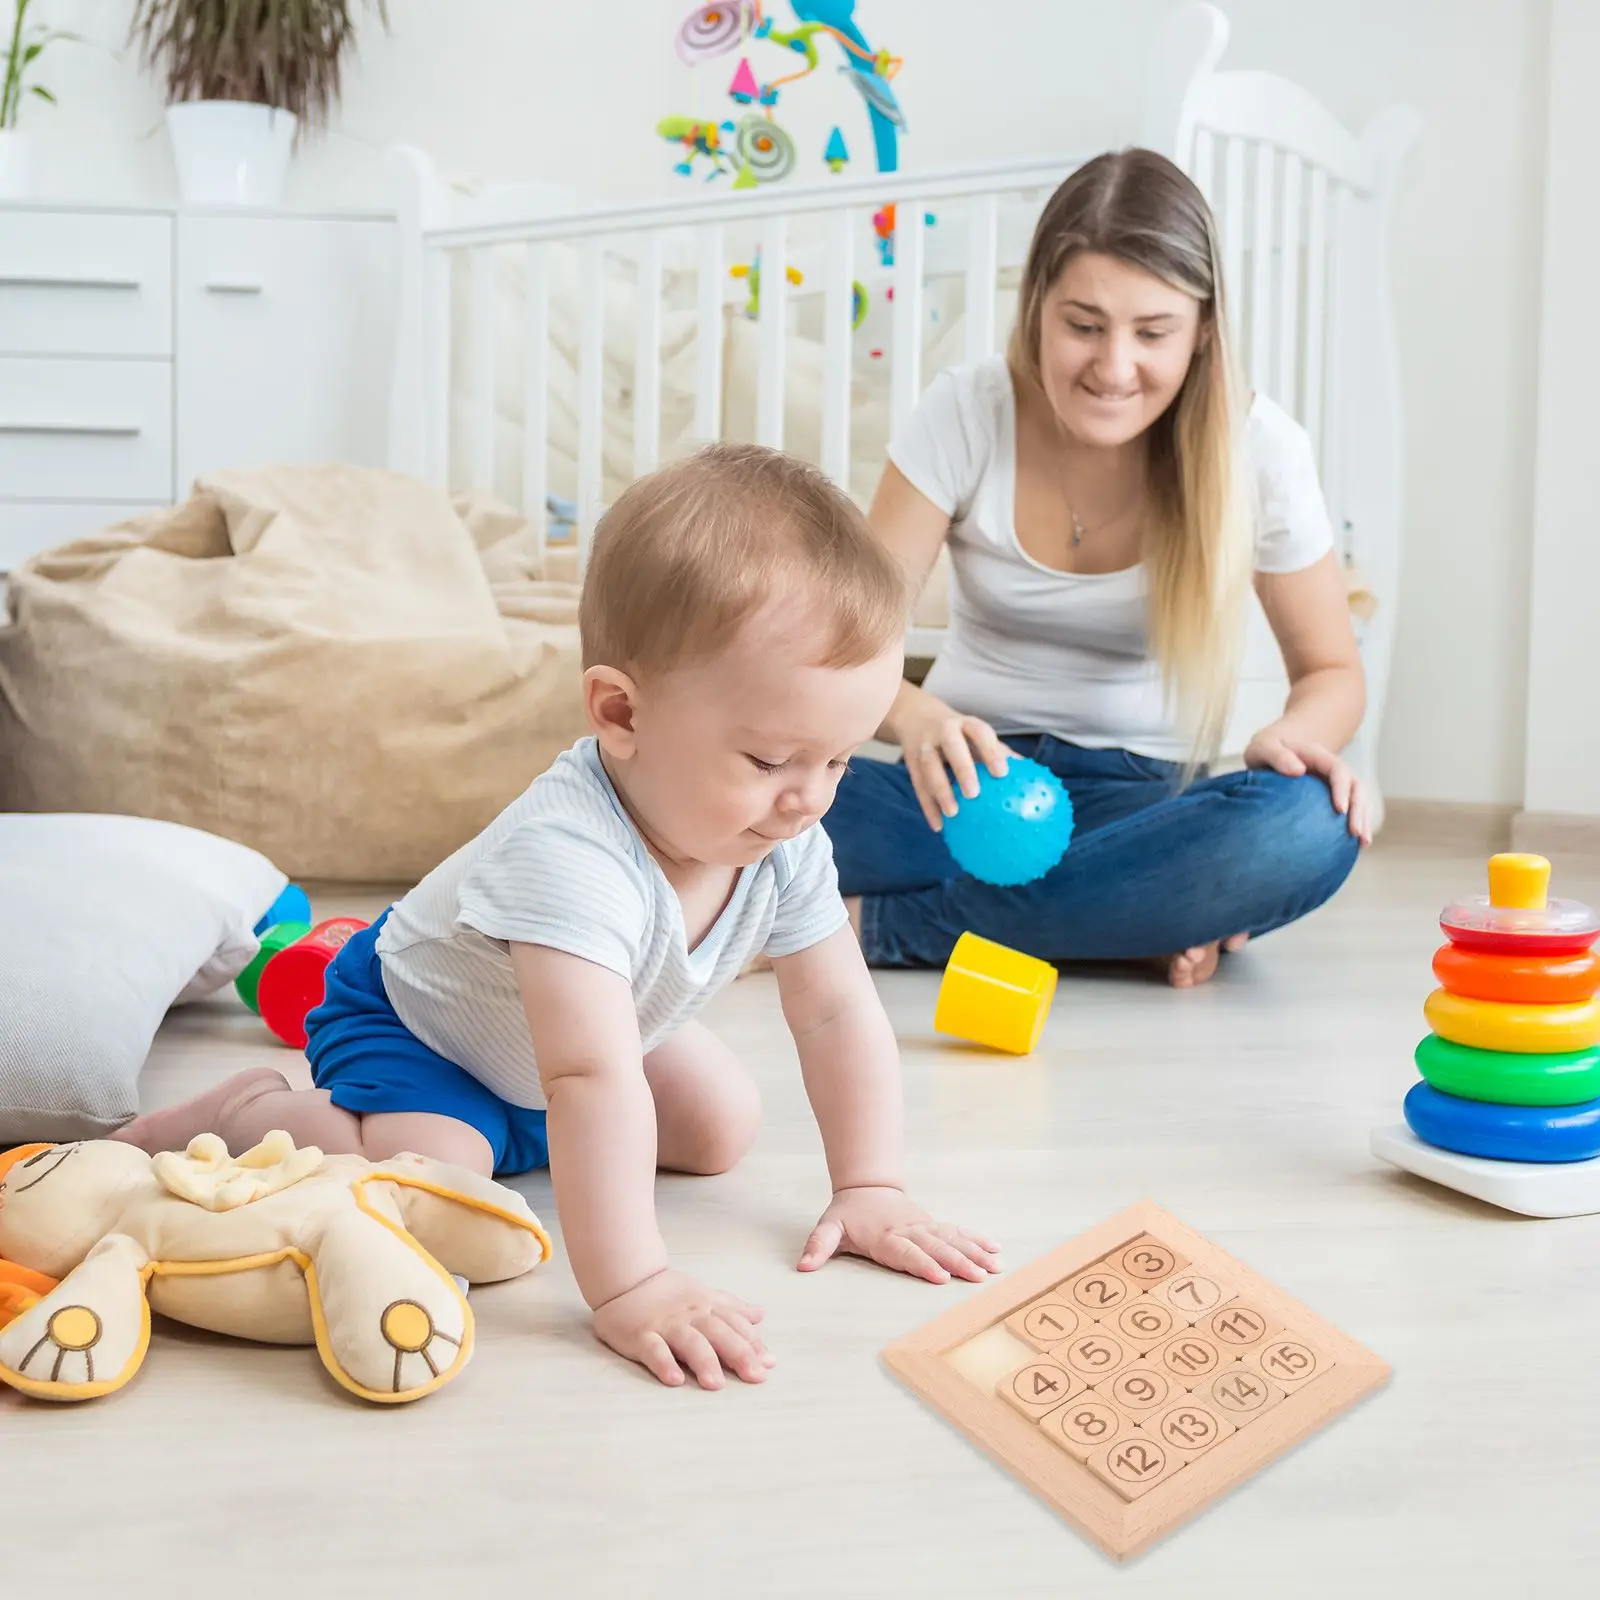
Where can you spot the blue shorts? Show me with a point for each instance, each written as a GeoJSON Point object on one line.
{"type": "Point", "coordinates": [370, 1061]}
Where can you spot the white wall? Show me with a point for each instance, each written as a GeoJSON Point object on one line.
{"type": "Point", "coordinates": [1563, 722]}
{"type": "Point", "coordinates": [512, 88]}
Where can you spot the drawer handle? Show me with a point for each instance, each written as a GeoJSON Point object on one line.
{"type": "Point", "coordinates": [68, 283]}
{"type": "Point", "coordinates": [97, 430]}
{"type": "Point", "coordinates": [233, 288]}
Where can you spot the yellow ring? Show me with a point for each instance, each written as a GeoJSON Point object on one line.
{"type": "Point", "coordinates": [1526, 1030]}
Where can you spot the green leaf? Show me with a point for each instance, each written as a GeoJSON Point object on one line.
{"type": "Point", "coordinates": [43, 93]}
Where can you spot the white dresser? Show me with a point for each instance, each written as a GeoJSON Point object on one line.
{"type": "Point", "coordinates": [140, 349]}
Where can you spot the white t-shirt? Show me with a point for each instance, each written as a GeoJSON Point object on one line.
{"type": "Point", "coordinates": [563, 866]}
{"type": "Point", "coordinates": [1032, 650]}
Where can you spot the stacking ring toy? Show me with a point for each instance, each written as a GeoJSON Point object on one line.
{"type": "Point", "coordinates": [1507, 1078]}
{"type": "Point", "coordinates": [1516, 918]}
{"type": "Point", "coordinates": [1531, 980]}
{"type": "Point", "coordinates": [1504, 1133]}
{"type": "Point", "coordinates": [1526, 1030]}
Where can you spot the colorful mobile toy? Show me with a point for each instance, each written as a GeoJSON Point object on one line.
{"type": "Point", "coordinates": [1508, 1106]}
{"type": "Point", "coordinates": [754, 147]}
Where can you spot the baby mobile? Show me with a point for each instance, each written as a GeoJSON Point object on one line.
{"type": "Point", "coordinates": [755, 148]}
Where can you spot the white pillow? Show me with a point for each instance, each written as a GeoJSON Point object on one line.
{"type": "Point", "coordinates": [105, 922]}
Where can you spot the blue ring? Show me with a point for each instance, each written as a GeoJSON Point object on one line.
{"type": "Point", "coordinates": [293, 905]}
{"type": "Point", "coordinates": [1504, 1133]}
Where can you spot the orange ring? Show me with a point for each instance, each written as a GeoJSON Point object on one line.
{"type": "Point", "coordinates": [1518, 980]}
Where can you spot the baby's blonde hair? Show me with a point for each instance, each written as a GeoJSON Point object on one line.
{"type": "Point", "coordinates": [690, 552]}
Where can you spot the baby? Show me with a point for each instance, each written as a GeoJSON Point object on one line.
{"type": "Point", "coordinates": [533, 999]}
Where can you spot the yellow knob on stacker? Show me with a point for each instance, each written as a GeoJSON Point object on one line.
{"type": "Point", "coordinates": [1518, 881]}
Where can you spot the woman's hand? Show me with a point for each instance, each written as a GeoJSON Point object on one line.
{"type": "Point", "coordinates": [1281, 750]}
{"type": "Point", "coordinates": [938, 741]}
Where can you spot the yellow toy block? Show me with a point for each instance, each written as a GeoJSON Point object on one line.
{"type": "Point", "coordinates": [994, 996]}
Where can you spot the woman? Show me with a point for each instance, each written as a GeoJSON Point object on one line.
{"type": "Point", "coordinates": [1107, 498]}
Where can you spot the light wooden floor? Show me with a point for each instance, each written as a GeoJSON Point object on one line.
{"type": "Point", "coordinates": [550, 1468]}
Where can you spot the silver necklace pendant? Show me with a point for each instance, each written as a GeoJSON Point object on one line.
{"type": "Point", "coordinates": [1077, 528]}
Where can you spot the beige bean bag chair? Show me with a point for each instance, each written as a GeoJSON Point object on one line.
{"type": "Point", "coordinates": [345, 669]}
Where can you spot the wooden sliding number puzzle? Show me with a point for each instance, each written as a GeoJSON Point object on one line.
{"type": "Point", "coordinates": [1133, 1375]}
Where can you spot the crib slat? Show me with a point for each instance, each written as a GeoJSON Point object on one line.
{"type": "Point", "coordinates": [983, 216]}
{"type": "Point", "coordinates": [772, 331]}
{"type": "Point", "coordinates": [481, 321]}
{"type": "Point", "coordinates": [1261, 270]}
{"type": "Point", "coordinates": [1288, 281]}
{"type": "Point", "coordinates": [1316, 309]}
{"type": "Point", "coordinates": [905, 375]}
{"type": "Point", "coordinates": [647, 358]}
{"type": "Point", "coordinates": [535, 388]}
{"type": "Point", "coordinates": [436, 365]}
{"type": "Point", "coordinates": [1233, 232]}
{"type": "Point", "coordinates": [1333, 423]}
{"type": "Point", "coordinates": [591, 393]}
{"type": "Point", "coordinates": [1204, 170]}
{"type": "Point", "coordinates": [837, 309]}
{"type": "Point", "coordinates": [708, 335]}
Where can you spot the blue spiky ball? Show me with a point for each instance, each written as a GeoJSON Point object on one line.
{"type": "Point", "coordinates": [1015, 829]}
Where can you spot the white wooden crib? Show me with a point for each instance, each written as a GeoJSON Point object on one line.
{"type": "Point", "coordinates": [551, 347]}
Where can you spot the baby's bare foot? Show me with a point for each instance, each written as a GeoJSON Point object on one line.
{"type": "Point", "coordinates": [173, 1127]}
{"type": "Point", "coordinates": [1188, 969]}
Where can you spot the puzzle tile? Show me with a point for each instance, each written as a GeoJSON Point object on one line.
{"type": "Point", "coordinates": [1191, 1294]}
{"type": "Point", "coordinates": [1099, 1290]}
{"type": "Point", "coordinates": [1140, 1390]}
{"type": "Point", "coordinates": [1085, 1425]}
{"type": "Point", "coordinates": [1289, 1360]}
{"type": "Point", "coordinates": [1039, 1387]}
{"type": "Point", "coordinates": [1142, 1322]}
{"type": "Point", "coordinates": [1134, 1464]}
{"type": "Point", "coordinates": [1046, 1322]}
{"type": "Point", "coordinates": [1096, 1354]}
{"type": "Point", "coordinates": [1240, 1393]}
{"type": "Point", "coordinates": [1189, 1357]}
{"type": "Point", "coordinates": [1147, 1260]}
{"type": "Point", "coordinates": [1190, 1428]}
{"type": "Point", "coordinates": [1237, 1326]}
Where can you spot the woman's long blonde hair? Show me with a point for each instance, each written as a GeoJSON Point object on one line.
{"type": "Point", "coordinates": [1139, 207]}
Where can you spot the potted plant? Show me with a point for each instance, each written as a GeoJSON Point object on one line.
{"type": "Point", "coordinates": [244, 79]}
{"type": "Point", "coordinates": [23, 49]}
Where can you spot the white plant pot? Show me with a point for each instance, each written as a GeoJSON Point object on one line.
{"type": "Point", "coordinates": [230, 152]}
{"type": "Point", "coordinates": [16, 165]}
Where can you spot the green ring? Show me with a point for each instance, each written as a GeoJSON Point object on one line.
{"type": "Point", "coordinates": [1501, 1077]}
{"type": "Point", "coordinates": [276, 938]}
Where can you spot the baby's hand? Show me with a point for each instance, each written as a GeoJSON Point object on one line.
{"type": "Point", "coordinates": [883, 1225]}
{"type": "Point", "coordinates": [670, 1318]}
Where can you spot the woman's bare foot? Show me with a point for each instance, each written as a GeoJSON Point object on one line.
{"type": "Point", "coordinates": [1188, 969]}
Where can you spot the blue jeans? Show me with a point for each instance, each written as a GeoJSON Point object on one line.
{"type": "Point", "coordinates": [1151, 870]}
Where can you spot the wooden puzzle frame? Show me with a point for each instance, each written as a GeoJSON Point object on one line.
{"type": "Point", "coordinates": [1119, 1525]}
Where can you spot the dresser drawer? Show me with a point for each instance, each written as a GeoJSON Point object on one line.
{"type": "Point", "coordinates": [85, 430]}
{"type": "Point", "coordinates": [85, 283]}
{"type": "Point", "coordinates": [29, 526]}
